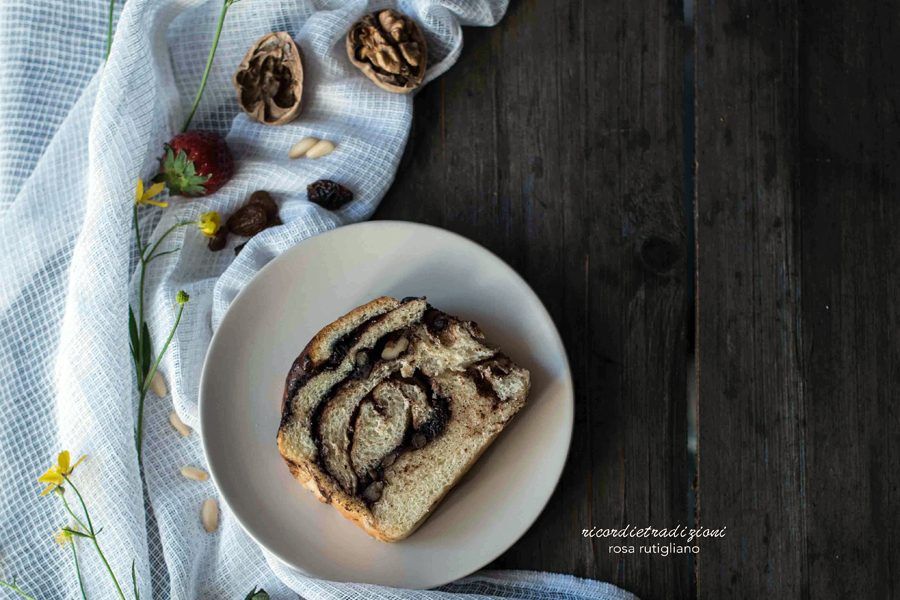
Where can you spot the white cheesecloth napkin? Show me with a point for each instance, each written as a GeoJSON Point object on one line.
{"type": "Point", "coordinates": [75, 133]}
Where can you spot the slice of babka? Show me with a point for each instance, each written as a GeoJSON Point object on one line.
{"type": "Point", "coordinates": [389, 406]}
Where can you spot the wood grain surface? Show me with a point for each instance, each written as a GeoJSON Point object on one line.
{"type": "Point", "coordinates": [558, 142]}
{"type": "Point", "coordinates": [798, 275]}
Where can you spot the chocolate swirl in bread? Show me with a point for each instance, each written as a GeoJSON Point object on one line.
{"type": "Point", "coordinates": [388, 406]}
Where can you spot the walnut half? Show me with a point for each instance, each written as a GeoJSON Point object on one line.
{"type": "Point", "coordinates": [269, 81]}
{"type": "Point", "coordinates": [389, 49]}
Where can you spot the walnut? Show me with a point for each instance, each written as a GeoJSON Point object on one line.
{"type": "Point", "coordinates": [390, 49]}
{"type": "Point", "coordinates": [269, 81]}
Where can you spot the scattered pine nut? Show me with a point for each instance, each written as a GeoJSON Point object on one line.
{"type": "Point", "coordinates": [302, 147]}
{"type": "Point", "coordinates": [194, 473]}
{"type": "Point", "coordinates": [322, 148]}
{"type": "Point", "coordinates": [179, 425]}
{"type": "Point", "coordinates": [209, 515]}
{"type": "Point", "coordinates": [158, 385]}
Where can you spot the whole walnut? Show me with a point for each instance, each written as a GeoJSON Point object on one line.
{"type": "Point", "coordinates": [269, 81]}
{"type": "Point", "coordinates": [389, 49]}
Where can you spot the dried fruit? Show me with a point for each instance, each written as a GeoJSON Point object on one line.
{"type": "Point", "coordinates": [218, 241]}
{"type": "Point", "coordinates": [248, 220]}
{"type": "Point", "coordinates": [196, 163]}
{"type": "Point", "coordinates": [328, 194]}
{"type": "Point", "coordinates": [263, 199]}
{"type": "Point", "coordinates": [209, 515]}
{"type": "Point", "coordinates": [389, 49]}
{"type": "Point", "coordinates": [269, 81]}
{"type": "Point", "coordinates": [372, 493]}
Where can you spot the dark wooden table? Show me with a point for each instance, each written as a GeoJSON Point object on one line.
{"type": "Point", "coordinates": [724, 186]}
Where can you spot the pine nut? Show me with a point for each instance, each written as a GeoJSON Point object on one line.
{"type": "Point", "coordinates": [322, 148]}
{"type": "Point", "coordinates": [209, 515]}
{"type": "Point", "coordinates": [179, 425]}
{"type": "Point", "coordinates": [302, 147]}
{"type": "Point", "coordinates": [194, 473]}
{"type": "Point", "coordinates": [158, 385]}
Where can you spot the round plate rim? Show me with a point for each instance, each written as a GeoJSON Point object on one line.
{"type": "Point", "coordinates": [566, 375]}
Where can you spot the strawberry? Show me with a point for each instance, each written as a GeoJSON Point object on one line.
{"type": "Point", "coordinates": [196, 163]}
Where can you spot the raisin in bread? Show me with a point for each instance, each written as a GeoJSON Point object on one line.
{"type": "Point", "coordinates": [389, 406]}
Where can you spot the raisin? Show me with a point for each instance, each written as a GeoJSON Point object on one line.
{"type": "Point", "coordinates": [248, 220]}
{"type": "Point", "coordinates": [218, 241]}
{"type": "Point", "coordinates": [328, 194]}
{"type": "Point", "coordinates": [264, 199]}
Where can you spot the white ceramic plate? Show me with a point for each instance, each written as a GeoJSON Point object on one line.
{"type": "Point", "coordinates": [267, 326]}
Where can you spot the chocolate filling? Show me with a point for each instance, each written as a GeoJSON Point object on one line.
{"type": "Point", "coordinates": [498, 365]}
{"type": "Point", "coordinates": [413, 438]}
{"type": "Point", "coordinates": [435, 320]}
{"type": "Point", "coordinates": [303, 369]}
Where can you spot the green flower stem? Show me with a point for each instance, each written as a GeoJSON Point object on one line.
{"type": "Point", "coordinates": [15, 588]}
{"type": "Point", "coordinates": [140, 323]}
{"type": "Point", "coordinates": [93, 536]}
{"type": "Point", "coordinates": [144, 262]}
{"type": "Point", "coordinates": [78, 570]}
{"type": "Point", "coordinates": [139, 433]}
{"type": "Point", "coordinates": [109, 27]}
{"type": "Point", "coordinates": [226, 4]}
{"type": "Point", "coordinates": [165, 347]}
{"type": "Point", "coordinates": [71, 513]}
{"type": "Point", "coordinates": [151, 255]}
{"type": "Point", "coordinates": [146, 254]}
{"type": "Point", "coordinates": [137, 230]}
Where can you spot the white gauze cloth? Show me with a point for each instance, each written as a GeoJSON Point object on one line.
{"type": "Point", "coordinates": [75, 134]}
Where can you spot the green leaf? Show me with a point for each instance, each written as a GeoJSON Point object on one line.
{"type": "Point", "coordinates": [147, 352]}
{"type": "Point", "coordinates": [135, 346]}
{"type": "Point", "coordinates": [137, 595]}
{"type": "Point", "coordinates": [133, 333]}
{"type": "Point", "coordinates": [188, 169]}
{"type": "Point", "coordinates": [257, 594]}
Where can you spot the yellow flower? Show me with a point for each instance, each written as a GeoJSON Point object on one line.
{"type": "Point", "coordinates": [142, 196]}
{"type": "Point", "coordinates": [56, 475]}
{"type": "Point", "coordinates": [63, 537]}
{"type": "Point", "coordinates": [209, 223]}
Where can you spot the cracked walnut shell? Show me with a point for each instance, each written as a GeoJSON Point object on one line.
{"type": "Point", "coordinates": [389, 49]}
{"type": "Point", "coordinates": [269, 81]}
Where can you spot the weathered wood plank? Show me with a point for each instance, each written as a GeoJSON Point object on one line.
{"type": "Point", "coordinates": [750, 411]}
{"type": "Point", "coordinates": [556, 142]}
{"type": "Point", "coordinates": [849, 210]}
{"type": "Point", "coordinates": [796, 213]}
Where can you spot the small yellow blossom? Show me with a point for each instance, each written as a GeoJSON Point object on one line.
{"type": "Point", "coordinates": [209, 223]}
{"type": "Point", "coordinates": [146, 196]}
{"type": "Point", "coordinates": [56, 475]}
{"type": "Point", "coordinates": [63, 537]}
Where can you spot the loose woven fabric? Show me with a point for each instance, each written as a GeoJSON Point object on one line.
{"type": "Point", "coordinates": [74, 136]}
